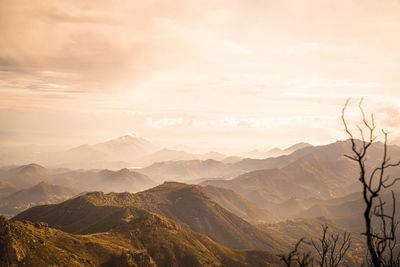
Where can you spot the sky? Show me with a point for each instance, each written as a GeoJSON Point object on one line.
{"type": "Point", "coordinates": [227, 75]}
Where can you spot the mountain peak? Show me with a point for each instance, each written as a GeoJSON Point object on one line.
{"type": "Point", "coordinates": [298, 146]}
{"type": "Point", "coordinates": [32, 168]}
{"type": "Point", "coordinates": [126, 138]}
{"type": "Point", "coordinates": [123, 171]}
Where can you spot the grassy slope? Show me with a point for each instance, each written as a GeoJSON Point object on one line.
{"type": "Point", "coordinates": [186, 204]}
{"type": "Point", "coordinates": [144, 239]}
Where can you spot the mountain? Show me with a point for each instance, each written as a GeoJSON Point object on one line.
{"type": "Point", "coordinates": [329, 152]}
{"type": "Point", "coordinates": [274, 152]}
{"type": "Point", "coordinates": [185, 170]}
{"type": "Point", "coordinates": [6, 189]}
{"type": "Point", "coordinates": [20, 177]}
{"type": "Point", "coordinates": [24, 176]}
{"type": "Point", "coordinates": [309, 176]}
{"type": "Point", "coordinates": [42, 193]}
{"type": "Point", "coordinates": [320, 172]}
{"type": "Point", "coordinates": [122, 180]}
{"type": "Point", "coordinates": [126, 147]}
{"type": "Point", "coordinates": [177, 155]}
{"type": "Point", "coordinates": [296, 147]}
{"type": "Point", "coordinates": [194, 170]}
{"type": "Point", "coordinates": [292, 206]}
{"type": "Point", "coordinates": [238, 205]}
{"type": "Point", "coordinates": [231, 159]}
{"type": "Point", "coordinates": [116, 153]}
{"type": "Point", "coordinates": [122, 152]}
{"type": "Point", "coordinates": [187, 204]}
{"type": "Point", "coordinates": [139, 239]}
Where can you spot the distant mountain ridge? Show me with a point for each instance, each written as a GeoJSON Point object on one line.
{"type": "Point", "coordinates": [21, 177]}
{"type": "Point", "coordinates": [185, 170]}
{"type": "Point", "coordinates": [320, 172]}
{"type": "Point", "coordinates": [274, 152]}
{"type": "Point", "coordinates": [40, 194]}
{"type": "Point", "coordinates": [309, 176]}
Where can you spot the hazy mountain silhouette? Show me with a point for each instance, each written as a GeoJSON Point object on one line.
{"type": "Point", "coordinates": [115, 153]}
{"type": "Point", "coordinates": [327, 152]}
{"type": "Point", "coordinates": [122, 180]}
{"type": "Point", "coordinates": [273, 152]}
{"type": "Point", "coordinates": [84, 180]}
{"type": "Point", "coordinates": [24, 176]}
{"type": "Point", "coordinates": [6, 189]}
{"type": "Point", "coordinates": [186, 170]}
{"type": "Point", "coordinates": [177, 155]}
{"type": "Point", "coordinates": [42, 193]}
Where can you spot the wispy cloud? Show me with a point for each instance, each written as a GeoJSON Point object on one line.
{"type": "Point", "coordinates": [230, 67]}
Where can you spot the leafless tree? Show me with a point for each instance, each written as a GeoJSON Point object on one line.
{"type": "Point", "coordinates": [329, 248]}
{"type": "Point", "coordinates": [297, 258]}
{"type": "Point", "coordinates": [380, 225]}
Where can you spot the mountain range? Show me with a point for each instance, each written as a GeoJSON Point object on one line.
{"type": "Point", "coordinates": [320, 172]}
{"type": "Point", "coordinates": [236, 217]}
{"type": "Point", "coordinates": [273, 152]}
{"type": "Point", "coordinates": [122, 152]}
{"type": "Point", "coordinates": [25, 176]}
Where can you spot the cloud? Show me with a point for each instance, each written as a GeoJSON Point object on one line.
{"type": "Point", "coordinates": [199, 67]}
{"type": "Point", "coordinates": [390, 115]}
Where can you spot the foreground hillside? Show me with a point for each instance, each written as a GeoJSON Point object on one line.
{"type": "Point", "coordinates": [186, 204]}
{"type": "Point", "coordinates": [174, 224]}
{"type": "Point", "coordinates": [145, 239]}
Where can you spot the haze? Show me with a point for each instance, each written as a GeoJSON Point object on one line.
{"type": "Point", "coordinates": [212, 75]}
